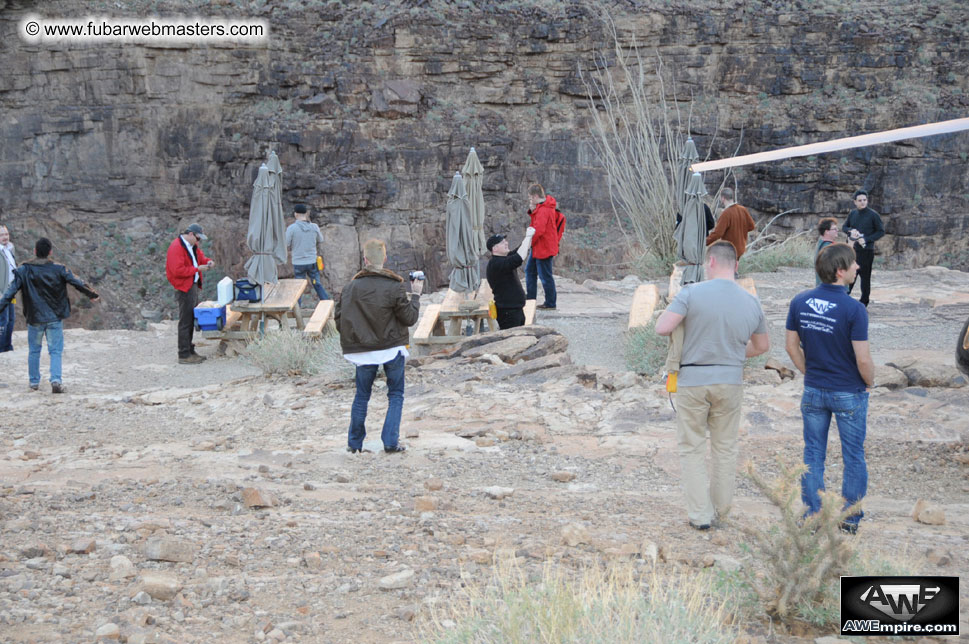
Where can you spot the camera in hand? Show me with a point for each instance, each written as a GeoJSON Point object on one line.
{"type": "Point", "coordinates": [416, 275]}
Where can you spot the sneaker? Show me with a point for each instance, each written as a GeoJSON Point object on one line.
{"type": "Point", "coordinates": [192, 359]}
{"type": "Point", "coordinates": [34, 387]}
{"type": "Point", "coordinates": [700, 526]}
{"type": "Point", "coordinates": [357, 450]}
{"type": "Point", "coordinates": [545, 307]}
{"type": "Point", "coordinates": [396, 449]}
{"type": "Point", "coordinates": [58, 388]}
{"type": "Point", "coordinates": [848, 528]}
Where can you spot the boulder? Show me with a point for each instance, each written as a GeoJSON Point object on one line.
{"type": "Point", "coordinates": [890, 378]}
{"type": "Point", "coordinates": [168, 549]}
{"type": "Point", "coordinates": [507, 348]}
{"type": "Point", "coordinates": [398, 580]}
{"type": "Point", "coordinates": [774, 364]}
{"type": "Point", "coordinates": [925, 373]}
{"type": "Point", "coordinates": [160, 585]}
{"type": "Point", "coordinates": [254, 497]}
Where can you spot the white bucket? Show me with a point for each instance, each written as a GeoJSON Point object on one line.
{"type": "Point", "coordinates": [224, 290]}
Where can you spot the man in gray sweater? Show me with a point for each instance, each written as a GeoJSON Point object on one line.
{"type": "Point", "coordinates": [302, 237]}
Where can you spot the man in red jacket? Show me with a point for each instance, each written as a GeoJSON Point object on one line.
{"type": "Point", "coordinates": [183, 267]}
{"type": "Point", "coordinates": [545, 245]}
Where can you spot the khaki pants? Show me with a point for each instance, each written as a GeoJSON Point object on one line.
{"type": "Point", "coordinates": [717, 408]}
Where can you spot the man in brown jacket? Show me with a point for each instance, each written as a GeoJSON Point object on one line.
{"type": "Point", "coordinates": [734, 223]}
{"type": "Point", "coordinates": [373, 315]}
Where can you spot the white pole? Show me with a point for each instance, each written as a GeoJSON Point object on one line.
{"type": "Point", "coordinates": [917, 131]}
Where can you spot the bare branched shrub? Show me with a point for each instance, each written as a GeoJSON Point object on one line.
{"type": "Point", "coordinates": [802, 557]}
{"type": "Point", "coordinates": [637, 137]}
{"type": "Point", "coordinates": [634, 139]}
{"type": "Point", "coordinates": [291, 352]}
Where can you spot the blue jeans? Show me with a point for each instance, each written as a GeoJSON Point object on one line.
{"type": "Point", "coordinates": [395, 402]}
{"type": "Point", "coordinates": [311, 272]}
{"type": "Point", "coordinates": [544, 270]}
{"type": "Point", "coordinates": [851, 412]}
{"type": "Point", "coordinates": [7, 318]}
{"type": "Point", "coordinates": [55, 347]}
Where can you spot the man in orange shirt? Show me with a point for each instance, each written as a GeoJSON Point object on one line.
{"type": "Point", "coordinates": [734, 223]}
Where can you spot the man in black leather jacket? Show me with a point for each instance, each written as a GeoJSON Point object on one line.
{"type": "Point", "coordinates": [43, 286]}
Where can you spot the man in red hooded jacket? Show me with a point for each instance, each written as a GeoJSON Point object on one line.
{"type": "Point", "coordinates": [545, 245]}
{"type": "Point", "coordinates": [183, 267]}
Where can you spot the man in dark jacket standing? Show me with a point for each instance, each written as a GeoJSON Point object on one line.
{"type": "Point", "coordinates": [372, 316]}
{"type": "Point", "coordinates": [183, 268]}
{"type": "Point", "coordinates": [43, 286]}
{"type": "Point", "coordinates": [864, 228]}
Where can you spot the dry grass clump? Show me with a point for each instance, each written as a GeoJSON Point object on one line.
{"type": "Point", "coordinates": [290, 352]}
{"type": "Point", "coordinates": [607, 605]}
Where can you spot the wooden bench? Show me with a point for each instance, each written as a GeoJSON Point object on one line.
{"type": "Point", "coordinates": [321, 315]}
{"type": "Point", "coordinates": [747, 283]}
{"type": "Point", "coordinates": [644, 303]}
{"type": "Point", "coordinates": [231, 317]}
{"type": "Point", "coordinates": [530, 312]}
{"type": "Point", "coordinates": [427, 324]}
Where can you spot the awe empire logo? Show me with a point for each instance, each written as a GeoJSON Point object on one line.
{"type": "Point", "coordinates": [901, 601]}
{"type": "Point", "coordinates": [820, 306]}
{"type": "Point", "coordinates": [900, 606]}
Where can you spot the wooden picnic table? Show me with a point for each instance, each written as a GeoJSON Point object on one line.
{"type": "Point", "coordinates": [280, 302]}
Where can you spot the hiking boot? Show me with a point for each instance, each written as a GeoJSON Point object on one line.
{"type": "Point", "coordinates": [545, 307]}
{"type": "Point", "coordinates": [396, 449]}
{"type": "Point", "coordinates": [358, 450]}
{"type": "Point", "coordinates": [848, 528]}
{"type": "Point", "coordinates": [192, 359]}
{"type": "Point", "coordinates": [198, 355]}
{"type": "Point", "coordinates": [57, 388]}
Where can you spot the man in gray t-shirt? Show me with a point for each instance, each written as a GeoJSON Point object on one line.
{"type": "Point", "coordinates": [302, 238]}
{"type": "Point", "coordinates": [723, 325]}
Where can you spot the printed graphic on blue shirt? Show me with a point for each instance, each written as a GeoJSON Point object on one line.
{"type": "Point", "coordinates": [828, 320]}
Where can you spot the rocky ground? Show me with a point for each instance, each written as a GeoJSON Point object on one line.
{"type": "Point", "coordinates": [157, 502]}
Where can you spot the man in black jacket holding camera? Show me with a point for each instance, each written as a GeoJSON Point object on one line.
{"type": "Point", "coordinates": [864, 227]}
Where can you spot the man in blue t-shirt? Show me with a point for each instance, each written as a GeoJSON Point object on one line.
{"type": "Point", "coordinates": [827, 338]}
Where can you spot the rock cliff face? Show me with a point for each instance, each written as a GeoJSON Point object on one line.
{"type": "Point", "coordinates": [110, 148]}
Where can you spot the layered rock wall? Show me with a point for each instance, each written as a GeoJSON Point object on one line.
{"type": "Point", "coordinates": [110, 148]}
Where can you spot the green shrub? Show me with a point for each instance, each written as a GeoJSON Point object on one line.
{"type": "Point", "coordinates": [650, 266]}
{"type": "Point", "coordinates": [796, 251]}
{"type": "Point", "coordinates": [291, 352]}
{"type": "Point", "coordinates": [645, 350]}
{"type": "Point", "coordinates": [594, 605]}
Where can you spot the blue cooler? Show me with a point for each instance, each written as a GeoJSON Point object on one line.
{"type": "Point", "coordinates": [209, 317]}
{"type": "Point", "coordinates": [246, 290]}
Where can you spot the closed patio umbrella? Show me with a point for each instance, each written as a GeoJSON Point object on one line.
{"type": "Point", "coordinates": [267, 234]}
{"type": "Point", "coordinates": [461, 247]}
{"type": "Point", "coordinates": [688, 156]}
{"type": "Point", "coordinates": [473, 173]}
{"type": "Point", "coordinates": [691, 234]}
